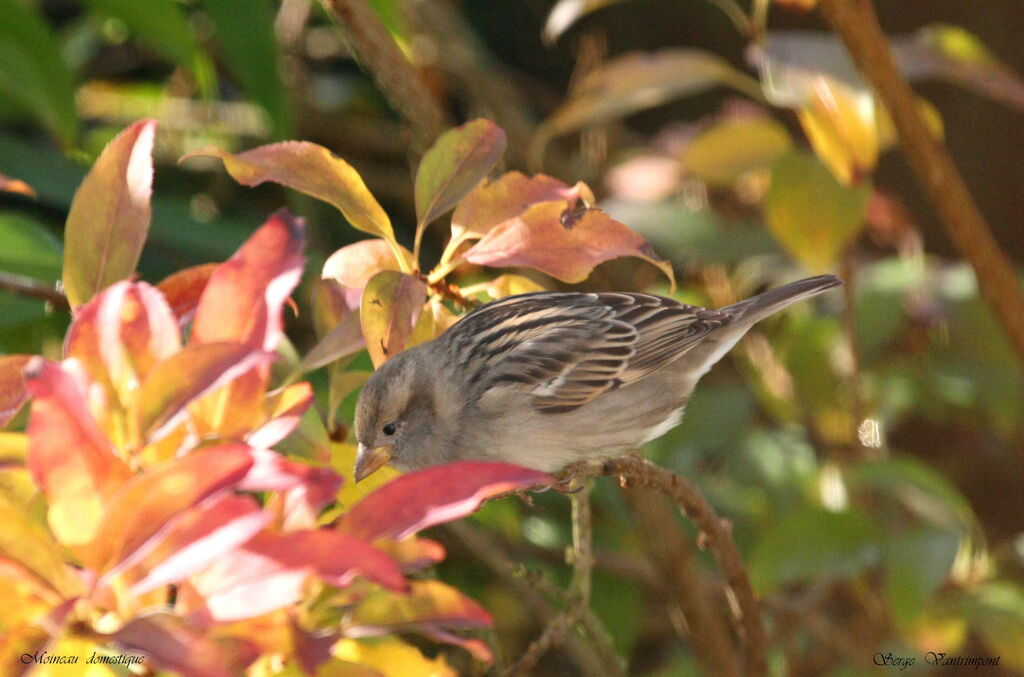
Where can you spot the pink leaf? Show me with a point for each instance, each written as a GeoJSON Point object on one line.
{"type": "Point", "coordinates": [69, 456]}
{"type": "Point", "coordinates": [269, 572]}
{"type": "Point", "coordinates": [244, 298]}
{"type": "Point", "coordinates": [109, 217]}
{"type": "Point", "coordinates": [12, 386]}
{"type": "Point", "coordinates": [173, 645]}
{"type": "Point", "coordinates": [443, 493]}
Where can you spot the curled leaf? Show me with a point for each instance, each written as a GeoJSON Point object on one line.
{"type": "Point", "coordinates": [391, 305]}
{"type": "Point", "coordinates": [564, 243]}
{"type": "Point", "coordinates": [110, 213]}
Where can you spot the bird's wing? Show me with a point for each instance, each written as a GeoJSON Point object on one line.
{"type": "Point", "coordinates": [568, 349]}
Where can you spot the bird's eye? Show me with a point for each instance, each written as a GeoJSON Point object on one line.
{"type": "Point", "coordinates": [390, 429]}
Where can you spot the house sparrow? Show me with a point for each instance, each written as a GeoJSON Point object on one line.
{"type": "Point", "coordinates": [547, 379]}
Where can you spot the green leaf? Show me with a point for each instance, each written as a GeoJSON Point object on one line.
{"type": "Point", "coordinates": [32, 73]}
{"type": "Point", "coordinates": [917, 562]}
{"type": "Point", "coordinates": [110, 215]}
{"type": "Point", "coordinates": [813, 544]}
{"type": "Point", "coordinates": [996, 611]}
{"type": "Point", "coordinates": [245, 31]}
{"type": "Point", "coordinates": [810, 213]}
{"type": "Point", "coordinates": [457, 162]}
{"type": "Point", "coordinates": [28, 248]}
{"type": "Point", "coordinates": [724, 152]}
{"type": "Point", "coordinates": [921, 489]}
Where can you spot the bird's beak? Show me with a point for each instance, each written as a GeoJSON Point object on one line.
{"type": "Point", "coordinates": [370, 459]}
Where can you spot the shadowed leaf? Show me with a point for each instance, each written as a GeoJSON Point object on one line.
{"type": "Point", "coordinates": [150, 500]}
{"type": "Point", "coordinates": [69, 457]}
{"type": "Point", "coordinates": [310, 169]}
{"type": "Point", "coordinates": [439, 494]}
{"type": "Point", "coordinates": [184, 288]}
{"type": "Point", "coordinates": [391, 305]}
{"type": "Point", "coordinates": [562, 242]}
{"type": "Point", "coordinates": [12, 386]}
{"type": "Point", "coordinates": [344, 339]}
{"type": "Point", "coordinates": [110, 214]}
{"type": "Point", "coordinates": [457, 161]}
{"type": "Point", "coordinates": [173, 645]}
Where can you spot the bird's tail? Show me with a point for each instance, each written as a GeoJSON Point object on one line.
{"type": "Point", "coordinates": [757, 307]}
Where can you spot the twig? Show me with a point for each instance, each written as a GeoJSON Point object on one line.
{"type": "Point", "coordinates": [26, 286]}
{"type": "Point", "coordinates": [493, 556]}
{"type": "Point", "coordinates": [578, 597]}
{"type": "Point", "coordinates": [857, 24]}
{"type": "Point", "coordinates": [397, 79]}
{"type": "Point", "coordinates": [636, 471]}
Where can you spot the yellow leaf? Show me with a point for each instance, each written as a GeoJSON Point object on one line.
{"type": "Point", "coordinates": [724, 152]}
{"type": "Point", "coordinates": [392, 658]}
{"type": "Point", "coordinates": [392, 303]}
{"type": "Point", "coordinates": [842, 127]}
{"type": "Point", "coordinates": [343, 460]}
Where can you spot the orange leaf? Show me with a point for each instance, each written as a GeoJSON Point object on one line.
{"type": "Point", "coordinates": [109, 217]}
{"type": "Point", "coordinates": [69, 457]}
{"type": "Point", "coordinates": [165, 393]}
{"type": "Point", "coordinates": [184, 288]}
{"type": "Point", "coordinates": [244, 298]}
{"type": "Point", "coordinates": [149, 500]}
{"type": "Point", "coordinates": [12, 386]}
{"type": "Point", "coordinates": [391, 305]}
{"type": "Point", "coordinates": [494, 202]}
{"type": "Point", "coordinates": [10, 185]}
{"type": "Point", "coordinates": [561, 242]}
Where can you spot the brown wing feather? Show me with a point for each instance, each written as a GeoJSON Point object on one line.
{"type": "Point", "coordinates": [568, 349]}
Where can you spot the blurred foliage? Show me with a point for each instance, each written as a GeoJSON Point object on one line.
{"type": "Point", "coordinates": [869, 451]}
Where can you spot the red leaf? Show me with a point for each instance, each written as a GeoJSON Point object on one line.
{"type": "Point", "coordinates": [12, 386]}
{"type": "Point", "coordinates": [494, 202]}
{"type": "Point", "coordinates": [173, 645]}
{"type": "Point", "coordinates": [269, 572]}
{"type": "Point", "coordinates": [244, 298]}
{"type": "Point", "coordinates": [121, 333]}
{"type": "Point", "coordinates": [150, 500]}
{"type": "Point", "coordinates": [162, 399]}
{"type": "Point", "coordinates": [69, 457]}
{"type": "Point", "coordinates": [561, 242]}
{"type": "Point", "coordinates": [439, 494]}
{"type": "Point", "coordinates": [109, 216]}
{"type": "Point", "coordinates": [193, 540]}
{"type": "Point", "coordinates": [184, 288]}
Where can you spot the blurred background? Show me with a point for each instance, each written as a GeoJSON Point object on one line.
{"type": "Point", "coordinates": [869, 450]}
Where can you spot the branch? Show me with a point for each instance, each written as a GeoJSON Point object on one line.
{"type": "Point", "coordinates": [635, 471]}
{"type": "Point", "coordinates": [857, 24]}
{"type": "Point", "coordinates": [398, 80]}
{"type": "Point", "coordinates": [26, 286]}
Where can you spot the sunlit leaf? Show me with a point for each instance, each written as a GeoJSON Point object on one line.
{"type": "Point", "coordinates": [110, 215]}
{"type": "Point", "coordinates": [843, 127]}
{"type": "Point", "coordinates": [494, 202]}
{"type": "Point", "coordinates": [163, 396]}
{"type": "Point", "coordinates": [392, 657]}
{"type": "Point", "coordinates": [12, 386]}
{"type": "Point", "coordinates": [173, 645]}
{"type": "Point", "coordinates": [813, 544]}
{"type": "Point", "coordinates": [343, 460]}
{"type": "Point", "coordinates": [70, 458]}
{"type": "Point", "coordinates": [26, 542]}
{"type": "Point", "coordinates": [453, 165]}
{"type": "Point", "coordinates": [439, 494]}
{"type": "Point", "coordinates": [635, 82]}
{"type": "Point", "coordinates": [284, 409]}
{"type": "Point", "coordinates": [184, 288]}
{"type": "Point", "coordinates": [391, 305]}
{"type": "Point", "coordinates": [13, 446]}
{"type": "Point", "coordinates": [270, 570]}
{"type": "Point", "coordinates": [9, 185]}
{"type": "Point", "coordinates": [244, 297]}
{"type": "Point", "coordinates": [194, 539]}
{"type": "Point", "coordinates": [562, 242]}
{"type": "Point", "coordinates": [353, 265]}
{"type": "Point", "coordinates": [565, 13]}
{"type": "Point", "coordinates": [810, 213]}
{"type": "Point", "coordinates": [150, 500]}
{"type": "Point", "coordinates": [725, 151]}
{"type": "Point", "coordinates": [413, 553]}
{"type": "Point", "coordinates": [311, 169]}
{"type": "Point", "coordinates": [33, 74]}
